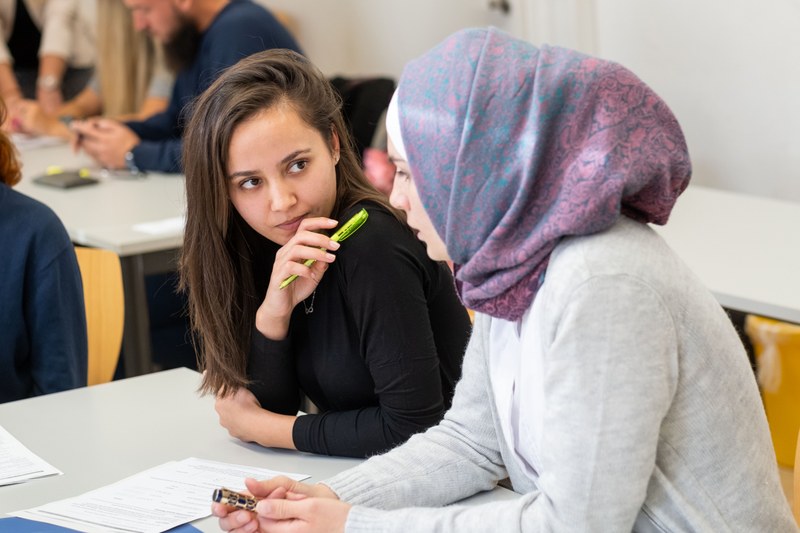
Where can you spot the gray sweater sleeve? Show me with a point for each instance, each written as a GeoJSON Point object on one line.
{"type": "Point", "coordinates": [453, 460]}
{"type": "Point", "coordinates": [604, 403]}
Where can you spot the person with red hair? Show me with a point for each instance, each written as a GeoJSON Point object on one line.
{"type": "Point", "coordinates": [43, 345]}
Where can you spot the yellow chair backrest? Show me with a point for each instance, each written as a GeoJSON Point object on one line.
{"type": "Point", "coordinates": [105, 310]}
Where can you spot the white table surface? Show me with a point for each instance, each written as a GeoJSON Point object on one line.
{"type": "Point", "coordinates": [103, 215]}
{"type": "Point", "coordinates": [745, 249]}
{"type": "Point", "coordinates": [99, 435]}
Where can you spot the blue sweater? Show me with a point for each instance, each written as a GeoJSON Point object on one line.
{"type": "Point", "coordinates": [42, 319]}
{"type": "Point", "coordinates": [242, 28]}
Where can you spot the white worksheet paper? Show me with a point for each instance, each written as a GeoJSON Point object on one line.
{"type": "Point", "coordinates": [18, 463]}
{"type": "Point", "coordinates": [152, 501]}
{"type": "Point", "coordinates": [161, 227]}
{"type": "Point", "coordinates": [24, 142]}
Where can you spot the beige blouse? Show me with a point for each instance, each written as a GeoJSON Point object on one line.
{"type": "Point", "coordinates": [67, 28]}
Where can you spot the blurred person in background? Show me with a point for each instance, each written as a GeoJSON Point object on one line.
{"type": "Point", "coordinates": [43, 343]}
{"type": "Point", "coordinates": [201, 38]}
{"type": "Point", "coordinates": [130, 82]}
{"type": "Point", "coordinates": [46, 50]}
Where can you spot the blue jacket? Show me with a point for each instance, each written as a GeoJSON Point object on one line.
{"type": "Point", "coordinates": [43, 345]}
{"type": "Point", "coordinates": [242, 28]}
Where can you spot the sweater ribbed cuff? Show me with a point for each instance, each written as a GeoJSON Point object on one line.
{"type": "Point", "coordinates": [351, 487]}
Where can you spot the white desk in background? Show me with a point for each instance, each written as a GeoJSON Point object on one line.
{"type": "Point", "coordinates": [106, 215]}
{"type": "Point", "coordinates": [745, 249]}
{"type": "Point", "coordinates": [102, 434]}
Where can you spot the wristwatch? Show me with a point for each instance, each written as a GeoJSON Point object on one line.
{"type": "Point", "coordinates": [48, 82]}
{"type": "Point", "coordinates": [130, 164]}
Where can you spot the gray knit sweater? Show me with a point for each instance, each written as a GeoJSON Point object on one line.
{"type": "Point", "coordinates": [652, 418]}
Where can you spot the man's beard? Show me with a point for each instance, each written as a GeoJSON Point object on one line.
{"type": "Point", "coordinates": [181, 49]}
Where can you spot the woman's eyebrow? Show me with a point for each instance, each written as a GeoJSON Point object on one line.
{"type": "Point", "coordinates": [285, 160]}
{"type": "Point", "coordinates": [242, 173]}
{"type": "Point", "coordinates": [295, 154]}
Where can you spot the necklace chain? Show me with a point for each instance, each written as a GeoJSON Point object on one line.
{"type": "Point", "coordinates": [310, 308]}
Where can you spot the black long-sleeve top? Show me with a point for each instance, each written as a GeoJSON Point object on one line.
{"type": "Point", "coordinates": [380, 353]}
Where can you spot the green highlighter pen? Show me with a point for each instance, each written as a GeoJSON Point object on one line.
{"type": "Point", "coordinates": [349, 227]}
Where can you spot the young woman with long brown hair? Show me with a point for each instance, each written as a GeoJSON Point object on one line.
{"type": "Point", "coordinates": [372, 333]}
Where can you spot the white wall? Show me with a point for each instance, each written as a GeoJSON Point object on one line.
{"type": "Point", "coordinates": [729, 69]}
{"type": "Point", "coordinates": [371, 37]}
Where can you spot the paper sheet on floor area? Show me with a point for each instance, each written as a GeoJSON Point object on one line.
{"type": "Point", "coordinates": [152, 501]}
{"type": "Point", "coordinates": [18, 463]}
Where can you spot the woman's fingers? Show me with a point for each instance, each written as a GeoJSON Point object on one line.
{"type": "Point", "coordinates": [303, 260]}
{"type": "Point", "coordinates": [311, 233]}
{"type": "Point", "coordinates": [316, 224]}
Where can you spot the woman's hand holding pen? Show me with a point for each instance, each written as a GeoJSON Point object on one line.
{"type": "Point", "coordinates": [272, 317]}
{"type": "Point", "coordinates": [287, 505]}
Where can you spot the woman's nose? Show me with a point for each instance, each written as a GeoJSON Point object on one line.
{"type": "Point", "coordinates": [282, 197]}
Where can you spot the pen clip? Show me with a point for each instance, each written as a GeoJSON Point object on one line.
{"type": "Point", "coordinates": [351, 226]}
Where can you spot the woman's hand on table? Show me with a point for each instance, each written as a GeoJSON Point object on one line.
{"type": "Point", "coordinates": [287, 505]}
{"type": "Point", "coordinates": [245, 419]}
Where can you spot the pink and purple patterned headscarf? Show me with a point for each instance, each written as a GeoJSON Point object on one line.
{"type": "Point", "coordinates": [513, 147]}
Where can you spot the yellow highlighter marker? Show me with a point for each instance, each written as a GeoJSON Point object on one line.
{"type": "Point", "coordinates": [349, 227]}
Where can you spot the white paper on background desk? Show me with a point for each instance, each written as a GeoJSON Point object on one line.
{"type": "Point", "coordinates": [18, 463]}
{"type": "Point", "coordinates": [23, 141]}
{"type": "Point", "coordinates": [155, 500]}
{"type": "Point", "coordinates": [160, 227]}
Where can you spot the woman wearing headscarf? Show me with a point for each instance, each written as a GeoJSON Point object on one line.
{"type": "Point", "coordinates": [602, 377]}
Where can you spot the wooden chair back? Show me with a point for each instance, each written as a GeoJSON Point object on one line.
{"type": "Point", "coordinates": [105, 310]}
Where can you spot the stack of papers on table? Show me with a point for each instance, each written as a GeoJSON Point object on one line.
{"type": "Point", "coordinates": [152, 501]}
{"type": "Point", "coordinates": [18, 463]}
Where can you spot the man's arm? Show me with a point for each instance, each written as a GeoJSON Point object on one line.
{"type": "Point", "coordinates": [158, 156]}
